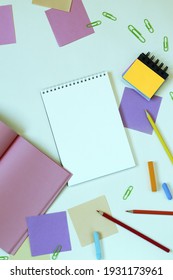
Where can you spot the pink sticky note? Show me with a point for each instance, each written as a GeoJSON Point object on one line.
{"type": "Point", "coordinates": [7, 31]}
{"type": "Point", "coordinates": [69, 27]}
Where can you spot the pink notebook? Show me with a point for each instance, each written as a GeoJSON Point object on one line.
{"type": "Point", "coordinates": [29, 183]}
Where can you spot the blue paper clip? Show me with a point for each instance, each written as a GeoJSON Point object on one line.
{"type": "Point", "coordinates": [110, 16]}
{"type": "Point", "coordinates": [94, 23]}
{"type": "Point", "coordinates": [56, 252]}
{"type": "Point", "coordinates": [4, 257]}
{"type": "Point", "coordinates": [136, 33]}
{"type": "Point", "coordinates": [127, 192]}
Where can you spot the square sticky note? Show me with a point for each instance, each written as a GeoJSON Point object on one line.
{"type": "Point", "coordinates": [69, 27]}
{"type": "Point", "coordinates": [48, 231]}
{"type": "Point", "coordinates": [132, 110]}
{"type": "Point", "coordinates": [145, 75]}
{"type": "Point", "coordinates": [7, 31]}
{"type": "Point", "coordinates": [86, 220]}
{"type": "Point", "coordinates": [63, 5]}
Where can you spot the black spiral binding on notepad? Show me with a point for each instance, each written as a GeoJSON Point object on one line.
{"type": "Point", "coordinates": [153, 65]}
{"type": "Point", "coordinates": [73, 83]}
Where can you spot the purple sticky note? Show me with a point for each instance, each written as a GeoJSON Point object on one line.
{"type": "Point", "coordinates": [47, 232]}
{"type": "Point", "coordinates": [132, 110]}
{"type": "Point", "coordinates": [7, 31]}
{"type": "Point", "coordinates": [69, 27]}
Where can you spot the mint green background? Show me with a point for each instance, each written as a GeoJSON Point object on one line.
{"type": "Point", "coordinates": [36, 62]}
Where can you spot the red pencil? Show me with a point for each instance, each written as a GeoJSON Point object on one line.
{"type": "Point", "coordinates": [107, 216]}
{"type": "Point", "coordinates": [154, 212]}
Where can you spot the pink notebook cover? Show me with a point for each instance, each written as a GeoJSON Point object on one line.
{"type": "Point", "coordinates": [29, 183]}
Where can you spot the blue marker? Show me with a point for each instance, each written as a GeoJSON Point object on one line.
{"type": "Point", "coordinates": [167, 191]}
{"type": "Point", "coordinates": [97, 245]}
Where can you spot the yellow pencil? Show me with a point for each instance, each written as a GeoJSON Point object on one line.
{"type": "Point", "coordinates": [159, 136]}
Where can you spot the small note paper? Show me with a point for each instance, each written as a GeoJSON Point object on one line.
{"type": "Point", "coordinates": [48, 231]}
{"type": "Point", "coordinates": [63, 5]}
{"type": "Point", "coordinates": [132, 110]}
{"type": "Point", "coordinates": [69, 27]}
{"type": "Point", "coordinates": [86, 220]}
{"type": "Point", "coordinates": [7, 31]}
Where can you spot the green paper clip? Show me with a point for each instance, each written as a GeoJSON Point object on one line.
{"type": "Point", "coordinates": [94, 23]}
{"type": "Point", "coordinates": [148, 26]}
{"type": "Point", "coordinates": [128, 192]}
{"type": "Point", "coordinates": [108, 15]}
{"type": "Point", "coordinates": [4, 258]}
{"type": "Point", "coordinates": [165, 44]}
{"type": "Point", "coordinates": [56, 252]}
{"type": "Point", "coordinates": [136, 33]}
{"type": "Point", "coordinates": [171, 94]}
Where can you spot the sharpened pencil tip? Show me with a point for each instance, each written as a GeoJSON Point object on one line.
{"type": "Point", "coordinates": [129, 211]}
{"type": "Point", "coordinates": [100, 212]}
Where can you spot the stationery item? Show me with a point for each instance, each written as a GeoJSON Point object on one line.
{"type": "Point", "coordinates": [107, 216]}
{"type": "Point", "coordinates": [63, 5]}
{"type": "Point", "coordinates": [30, 182]}
{"type": "Point", "coordinates": [137, 34]}
{"type": "Point", "coordinates": [109, 16]}
{"type": "Point", "coordinates": [127, 192]}
{"type": "Point", "coordinates": [79, 113]}
{"type": "Point", "coordinates": [148, 25]}
{"type": "Point", "coordinates": [7, 30]}
{"type": "Point", "coordinates": [165, 44]}
{"type": "Point", "coordinates": [152, 176]}
{"type": "Point", "coordinates": [4, 257]}
{"type": "Point", "coordinates": [97, 245]}
{"type": "Point", "coordinates": [152, 212]}
{"type": "Point", "coordinates": [24, 253]}
{"type": "Point", "coordinates": [164, 145]}
{"type": "Point", "coordinates": [85, 220]}
{"type": "Point", "coordinates": [94, 23]}
{"type": "Point", "coordinates": [56, 252]}
{"type": "Point", "coordinates": [132, 110]}
{"type": "Point", "coordinates": [145, 75]}
{"type": "Point", "coordinates": [69, 27]}
{"type": "Point", "coordinates": [167, 191]}
{"type": "Point", "coordinates": [171, 94]}
{"type": "Point", "coordinates": [46, 231]}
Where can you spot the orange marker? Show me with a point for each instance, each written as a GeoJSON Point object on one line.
{"type": "Point", "coordinates": [152, 176]}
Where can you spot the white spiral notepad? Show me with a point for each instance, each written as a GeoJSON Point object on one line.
{"type": "Point", "coordinates": [87, 128]}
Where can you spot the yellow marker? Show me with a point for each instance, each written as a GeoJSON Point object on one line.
{"type": "Point", "coordinates": [159, 136]}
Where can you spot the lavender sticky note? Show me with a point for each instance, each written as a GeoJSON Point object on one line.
{"type": "Point", "coordinates": [69, 27]}
{"type": "Point", "coordinates": [48, 231]}
{"type": "Point", "coordinates": [7, 31]}
{"type": "Point", "coordinates": [132, 109]}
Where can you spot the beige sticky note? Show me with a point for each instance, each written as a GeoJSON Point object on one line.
{"type": "Point", "coordinates": [86, 220]}
{"type": "Point", "coordinates": [63, 5]}
{"type": "Point", "coordinates": [24, 253]}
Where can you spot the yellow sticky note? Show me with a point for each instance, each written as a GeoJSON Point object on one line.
{"type": "Point", "coordinates": [63, 5]}
{"type": "Point", "coordinates": [146, 75]}
{"type": "Point", "coordinates": [143, 78]}
{"type": "Point", "coordinates": [86, 220]}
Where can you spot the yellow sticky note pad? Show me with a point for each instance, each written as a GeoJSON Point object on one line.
{"type": "Point", "coordinates": [145, 75]}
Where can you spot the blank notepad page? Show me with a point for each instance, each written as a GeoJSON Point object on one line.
{"type": "Point", "coordinates": [87, 128]}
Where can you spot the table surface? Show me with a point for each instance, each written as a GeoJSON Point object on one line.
{"type": "Point", "coordinates": [36, 62]}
